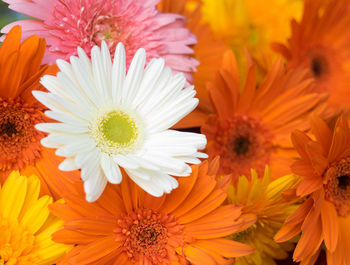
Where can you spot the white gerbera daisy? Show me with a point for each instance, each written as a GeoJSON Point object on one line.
{"type": "Point", "coordinates": [109, 119]}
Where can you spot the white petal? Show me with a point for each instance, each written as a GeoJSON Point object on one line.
{"type": "Point", "coordinates": [60, 127]}
{"type": "Point", "coordinates": [83, 158]}
{"type": "Point", "coordinates": [91, 166]}
{"type": "Point", "coordinates": [85, 144]}
{"type": "Point", "coordinates": [118, 73]}
{"type": "Point", "coordinates": [49, 144]}
{"type": "Point", "coordinates": [125, 162]}
{"type": "Point", "coordinates": [147, 164]}
{"type": "Point", "coordinates": [173, 116]}
{"type": "Point", "coordinates": [68, 165]}
{"type": "Point", "coordinates": [60, 139]}
{"type": "Point", "coordinates": [66, 118]}
{"type": "Point", "coordinates": [169, 91]}
{"type": "Point", "coordinates": [77, 95]}
{"type": "Point", "coordinates": [52, 84]}
{"type": "Point", "coordinates": [94, 187]}
{"type": "Point", "coordinates": [100, 75]}
{"type": "Point", "coordinates": [84, 77]}
{"type": "Point", "coordinates": [59, 104]}
{"type": "Point", "coordinates": [111, 170]}
{"type": "Point", "coordinates": [134, 77]}
{"type": "Point", "coordinates": [150, 186]}
{"type": "Point", "coordinates": [150, 78]}
{"type": "Point", "coordinates": [66, 68]}
{"type": "Point", "coordinates": [154, 98]}
{"type": "Point", "coordinates": [167, 163]}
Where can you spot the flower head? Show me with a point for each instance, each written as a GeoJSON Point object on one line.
{"type": "Point", "coordinates": [262, 203]}
{"type": "Point", "coordinates": [67, 24]}
{"type": "Point", "coordinates": [26, 224]}
{"type": "Point", "coordinates": [324, 217]}
{"type": "Point", "coordinates": [319, 44]}
{"type": "Point", "coordinates": [107, 120]}
{"type": "Point", "coordinates": [20, 149]}
{"type": "Point", "coordinates": [128, 226]}
{"type": "Point", "coordinates": [250, 126]}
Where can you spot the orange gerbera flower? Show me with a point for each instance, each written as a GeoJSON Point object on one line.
{"type": "Point", "coordinates": [207, 51]}
{"type": "Point", "coordinates": [320, 44]}
{"type": "Point", "coordinates": [20, 149]}
{"type": "Point", "coordinates": [128, 226]}
{"type": "Point", "coordinates": [325, 215]}
{"type": "Point", "coordinates": [250, 129]}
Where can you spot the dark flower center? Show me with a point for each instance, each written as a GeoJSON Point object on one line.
{"type": "Point", "coordinates": [319, 66]}
{"type": "Point", "coordinates": [316, 67]}
{"type": "Point", "coordinates": [343, 182]}
{"type": "Point", "coordinates": [8, 128]}
{"type": "Point", "coordinates": [241, 145]}
{"type": "Point", "coordinates": [337, 188]}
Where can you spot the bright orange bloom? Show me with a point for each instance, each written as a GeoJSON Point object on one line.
{"type": "Point", "coordinates": [251, 128]}
{"type": "Point", "coordinates": [20, 149]}
{"type": "Point", "coordinates": [320, 44]}
{"type": "Point", "coordinates": [128, 226]}
{"type": "Point", "coordinates": [207, 51]}
{"type": "Point", "coordinates": [325, 215]}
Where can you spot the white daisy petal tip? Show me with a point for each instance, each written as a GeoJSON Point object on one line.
{"type": "Point", "coordinates": [67, 165]}
{"type": "Point", "coordinates": [116, 134]}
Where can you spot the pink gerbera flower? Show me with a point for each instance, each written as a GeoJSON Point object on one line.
{"type": "Point", "coordinates": [67, 24]}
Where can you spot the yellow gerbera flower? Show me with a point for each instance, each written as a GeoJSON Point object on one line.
{"type": "Point", "coordinates": [266, 204]}
{"type": "Point", "coordinates": [242, 23]}
{"type": "Point", "coordinates": [26, 224]}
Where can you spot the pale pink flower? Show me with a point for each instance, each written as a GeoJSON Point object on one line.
{"type": "Point", "coordinates": [67, 24]}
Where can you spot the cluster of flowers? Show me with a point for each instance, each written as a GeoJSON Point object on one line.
{"type": "Point", "coordinates": [107, 157]}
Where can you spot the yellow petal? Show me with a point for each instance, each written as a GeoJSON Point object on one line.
{"type": "Point", "coordinates": [36, 216]}
{"type": "Point", "coordinates": [12, 196]}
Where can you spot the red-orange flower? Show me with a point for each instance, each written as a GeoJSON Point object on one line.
{"type": "Point", "coordinates": [320, 44]}
{"type": "Point", "coordinates": [324, 217]}
{"type": "Point", "coordinates": [250, 127]}
{"type": "Point", "coordinates": [20, 149]}
{"type": "Point", "coordinates": [128, 226]}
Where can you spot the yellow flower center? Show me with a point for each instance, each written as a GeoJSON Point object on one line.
{"type": "Point", "coordinates": [116, 132]}
{"type": "Point", "coordinates": [16, 244]}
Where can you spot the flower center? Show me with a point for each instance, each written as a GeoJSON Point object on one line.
{"type": "Point", "coordinates": [318, 66]}
{"type": "Point", "coordinates": [150, 235]}
{"type": "Point", "coordinates": [8, 128]}
{"type": "Point", "coordinates": [107, 29]}
{"type": "Point", "coordinates": [19, 141]}
{"type": "Point", "coordinates": [242, 143]}
{"type": "Point", "coordinates": [337, 188]}
{"type": "Point", "coordinates": [116, 132]}
{"type": "Point", "coordinates": [15, 244]}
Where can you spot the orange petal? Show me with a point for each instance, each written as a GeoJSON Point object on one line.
{"type": "Point", "coordinates": [96, 250]}
{"type": "Point", "coordinates": [197, 256]}
{"type": "Point", "coordinates": [209, 204]}
{"type": "Point", "coordinates": [227, 248]}
{"type": "Point", "coordinates": [292, 225]}
{"type": "Point", "coordinates": [329, 225]}
{"type": "Point", "coordinates": [200, 191]}
{"type": "Point", "coordinates": [73, 237]}
{"type": "Point", "coordinates": [218, 223]}
{"type": "Point", "coordinates": [310, 240]}
{"type": "Point", "coordinates": [177, 196]}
